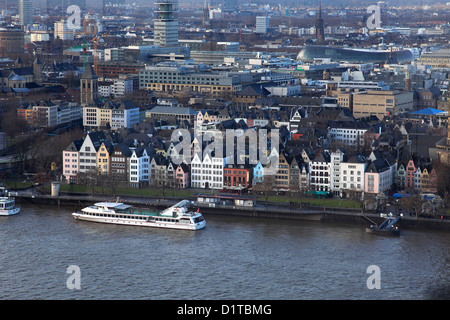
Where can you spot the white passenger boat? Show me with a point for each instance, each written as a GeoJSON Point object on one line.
{"type": "Point", "coordinates": [8, 206]}
{"type": "Point", "coordinates": [176, 217]}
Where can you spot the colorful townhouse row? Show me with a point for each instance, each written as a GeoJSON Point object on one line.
{"type": "Point", "coordinates": [314, 171]}
{"type": "Point", "coordinates": [412, 176]}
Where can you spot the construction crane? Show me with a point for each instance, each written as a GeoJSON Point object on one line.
{"type": "Point", "coordinates": [95, 40]}
{"type": "Point", "coordinates": [84, 46]}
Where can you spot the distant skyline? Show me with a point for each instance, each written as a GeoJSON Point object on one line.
{"type": "Point", "coordinates": [288, 3]}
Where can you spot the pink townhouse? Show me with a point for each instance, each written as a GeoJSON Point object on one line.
{"type": "Point", "coordinates": [182, 176]}
{"type": "Point", "coordinates": [71, 160]}
{"type": "Point", "coordinates": [377, 177]}
{"type": "Point", "coordinates": [410, 174]}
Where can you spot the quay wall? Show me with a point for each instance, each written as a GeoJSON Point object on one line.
{"type": "Point", "coordinates": [330, 215]}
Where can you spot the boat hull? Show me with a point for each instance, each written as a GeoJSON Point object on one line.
{"type": "Point", "coordinates": [394, 232]}
{"type": "Point", "coordinates": [140, 223]}
{"type": "Point", "coordinates": [9, 212]}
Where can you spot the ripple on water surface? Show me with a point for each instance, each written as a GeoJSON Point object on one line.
{"type": "Point", "coordinates": [232, 258]}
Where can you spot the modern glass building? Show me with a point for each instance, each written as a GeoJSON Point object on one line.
{"type": "Point", "coordinates": [309, 53]}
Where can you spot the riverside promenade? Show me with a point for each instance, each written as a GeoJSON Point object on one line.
{"type": "Point", "coordinates": [270, 211]}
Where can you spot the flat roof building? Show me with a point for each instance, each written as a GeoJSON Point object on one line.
{"type": "Point", "coordinates": [180, 113]}
{"type": "Point", "coordinates": [165, 78]}
{"type": "Point", "coordinates": [436, 59]}
{"type": "Point", "coordinates": [381, 103]}
{"type": "Point", "coordinates": [311, 53]}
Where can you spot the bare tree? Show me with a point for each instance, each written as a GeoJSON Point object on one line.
{"type": "Point", "coordinates": [89, 179]}
{"type": "Point", "coordinates": [265, 187]}
{"type": "Point", "coordinates": [113, 180]}
{"type": "Point", "coordinates": [12, 125]}
{"type": "Point", "coordinates": [411, 204]}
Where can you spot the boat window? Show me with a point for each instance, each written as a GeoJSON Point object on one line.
{"type": "Point", "coordinates": [198, 219]}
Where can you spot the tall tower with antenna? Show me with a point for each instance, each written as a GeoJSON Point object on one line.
{"type": "Point", "coordinates": [166, 24]}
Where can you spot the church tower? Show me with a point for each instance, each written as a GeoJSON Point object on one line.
{"type": "Point", "coordinates": [320, 33]}
{"type": "Point", "coordinates": [205, 14]}
{"type": "Point", "coordinates": [88, 86]}
{"type": "Point", "coordinates": [37, 71]}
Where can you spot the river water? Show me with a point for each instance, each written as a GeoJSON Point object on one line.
{"type": "Point", "coordinates": [232, 258]}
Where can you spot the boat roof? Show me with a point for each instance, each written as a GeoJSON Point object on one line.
{"type": "Point", "coordinates": [116, 205]}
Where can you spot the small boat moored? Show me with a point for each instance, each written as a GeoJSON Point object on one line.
{"type": "Point", "coordinates": [8, 206]}
{"type": "Point", "coordinates": [385, 228]}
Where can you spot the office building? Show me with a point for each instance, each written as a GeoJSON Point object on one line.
{"type": "Point", "coordinates": [436, 59]}
{"type": "Point", "coordinates": [25, 13]}
{"type": "Point", "coordinates": [166, 25]}
{"type": "Point", "coordinates": [11, 41]}
{"type": "Point", "coordinates": [262, 24]}
{"type": "Point", "coordinates": [165, 78]}
{"type": "Point", "coordinates": [62, 31]}
{"type": "Point", "coordinates": [382, 103]}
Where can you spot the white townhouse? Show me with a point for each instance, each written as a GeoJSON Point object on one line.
{"type": "Point", "coordinates": [124, 115]}
{"type": "Point", "coordinates": [336, 158]}
{"type": "Point", "coordinates": [320, 172]}
{"type": "Point", "coordinates": [297, 114]}
{"type": "Point", "coordinates": [120, 115]}
{"type": "Point", "coordinates": [207, 171]}
{"type": "Point", "coordinates": [105, 88]}
{"type": "Point", "coordinates": [88, 151]}
{"type": "Point", "coordinates": [417, 176]}
{"type": "Point", "coordinates": [352, 174]}
{"type": "Point", "coordinates": [139, 167]}
{"type": "Point", "coordinates": [171, 175]}
{"type": "Point", "coordinates": [348, 133]}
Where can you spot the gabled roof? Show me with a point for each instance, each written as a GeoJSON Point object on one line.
{"type": "Point", "coordinates": [97, 137]}
{"type": "Point", "coordinates": [183, 166]}
{"type": "Point", "coordinates": [379, 165]}
{"type": "Point", "coordinates": [124, 148]}
{"type": "Point", "coordinates": [253, 90]}
{"type": "Point", "coordinates": [75, 145]}
{"type": "Point", "coordinates": [109, 146]}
